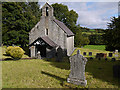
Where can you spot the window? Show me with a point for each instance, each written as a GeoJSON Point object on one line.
{"type": "Point", "coordinates": [46, 31]}
{"type": "Point", "coordinates": [47, 11]}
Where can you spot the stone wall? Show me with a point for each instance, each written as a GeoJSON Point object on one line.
{"type": "Point", "coordinates": [70, 45]}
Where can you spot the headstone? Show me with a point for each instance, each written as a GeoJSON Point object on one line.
{"type": "Point", "coordinates": [116, 53]}
{"type": "Point", "coordinates": [38, 55]}
{"type": "Point", "coordinates": [99, 58]}
{"type": "Point", "coordinates": [90, 53]}
{"type": "Point", "coordinates": [101, 55]}
{"type": "Point", "coordinates": [59, 54]}
{"type": "Point", "coordinates": [84, 53]}
{"type": "Point", "coordinates": [91, 58]}
{"type": "Point", "coordinates": [113, 59]}
{"type": "Point", "coordinates": [110, 54]}
{"type": "Point", "coordinates": [106, 59]}
{"type": "Point", "coordinates": [77, 70]}
{"type": "Point", "coordinates": [116, 71]}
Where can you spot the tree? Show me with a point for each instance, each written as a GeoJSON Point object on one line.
{"type": "Point", "coordinates": [61, 12]}
{"type": "Point", "coordinates": [18, 19]}
{"type": "Point", "coordinates": [112, 34]}
{"type": "Point", "coordinates": [69, 18]}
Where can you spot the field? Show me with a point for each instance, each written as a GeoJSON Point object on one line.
{"type": "Point", "coordinates": [96, 47]}
{"type": "Point", "coordinates": [48, 73]}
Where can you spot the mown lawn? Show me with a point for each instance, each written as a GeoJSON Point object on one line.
{"type": "Point", "coordinates": [37, 73]}
{"type": "Point", "coordinates": [48, 73]}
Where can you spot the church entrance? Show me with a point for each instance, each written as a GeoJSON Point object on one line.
{"type": "Point", "coordinates": [42, 50]}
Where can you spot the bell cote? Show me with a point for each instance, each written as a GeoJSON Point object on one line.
{"type": "Point", "coordinates": [47, 10]}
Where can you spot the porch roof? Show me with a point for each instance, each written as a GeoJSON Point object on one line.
{"type": "Point", "coordinates": [47, 40]}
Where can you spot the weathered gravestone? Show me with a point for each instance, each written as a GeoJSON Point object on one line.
{"type": "Point", "coordinates": [59, 54]}
{"type": "Point", "coordinates": [90, 53]}
{"type": "Point", "coordinates": [110, 54]}
{"type": "Point", "coordinates": [116, 54]}
{"type": "Point", "coordinates": [77, 70]}
{"type": "Point", "coordinates": [113, 59]}
{"type": "Point", "coordinates": [84, 53]}
{"type": "Point", "coordinates": [38, 55]}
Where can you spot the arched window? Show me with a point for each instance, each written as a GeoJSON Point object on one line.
{"type": "Point", "coordinates": [47, 14]}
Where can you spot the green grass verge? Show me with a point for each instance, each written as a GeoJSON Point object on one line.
{"type": "Point", "coordinates": [96, 47]}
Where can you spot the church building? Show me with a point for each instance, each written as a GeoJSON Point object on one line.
{"type": "Point", "coordinates": [49, 34]}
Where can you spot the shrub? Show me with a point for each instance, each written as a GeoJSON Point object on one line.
{"type": "Point", "coordinates": [8, 50]}
{"type": "Point", "coordinates": [16, 52]}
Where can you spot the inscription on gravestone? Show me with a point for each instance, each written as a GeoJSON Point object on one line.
{"type": "Point", "coordinates": [77, 70]}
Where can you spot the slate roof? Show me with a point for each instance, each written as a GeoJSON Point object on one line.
{"type": "Point", "coordinates": [64, 27]}
{"type": "Point", "coordinates": [49, 41]}
{"type": "Point", "coordinates": [46, 40]}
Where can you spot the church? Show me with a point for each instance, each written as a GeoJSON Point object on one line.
{"type": "Point", "coordinates": [49, 34]}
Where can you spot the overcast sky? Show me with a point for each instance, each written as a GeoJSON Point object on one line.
{"type": "Point", "coordinates": [92, 14]}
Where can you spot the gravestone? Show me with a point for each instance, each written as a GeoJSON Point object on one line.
{"type": "Point", "coordinates": [59, 54]}
{"type": "Point", "coordinates": [113, 59]}
{"type": "Point", "coordinates": [101, 55]}
{"type": "Point", "coordinates": [77, 70]}
{"type": "Point", "coordinates": [116, 53]}
{"type": "Point", "coordinates": [90, 53]}
{"type": "Point", "coordinates": [110, 54]}
{"type": "Point", "coordinates": [106, 59]}
{"type": "Point", "coordinates": [91, 58]}
{"type": "Point", "coordinates": [38, 55]}
{"type": "Point", "coordinates": [84, 53]}
{"type": "Point", "coordinates": [99, 58]}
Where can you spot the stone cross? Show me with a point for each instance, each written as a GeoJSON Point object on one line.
{"type": "Point", "coordinates": [77, 70]}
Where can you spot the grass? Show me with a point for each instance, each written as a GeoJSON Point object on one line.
{"type": "Point", "coordinates": [96, 47]}
{"type": "Point", "coordinates": [89, 33]}
{"type": "Point", "coordinates": [48, 73]}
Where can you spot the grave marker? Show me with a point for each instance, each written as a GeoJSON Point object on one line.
{"type": "Point", "coordinates": [84, 53]}
{"type": "Point", "coordinates": [59, 54]}
{"type": "Point", "coordinates": [110, 54]}
{"type": "Point", "coordinates": [77, 70]}
{"type": "Point", "coordinates": [90, 53]}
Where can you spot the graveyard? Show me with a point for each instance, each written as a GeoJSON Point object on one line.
{"type": "Point", "coordinates": [47, 48]}
{"type": "Point", "coordinates": [47, 73]}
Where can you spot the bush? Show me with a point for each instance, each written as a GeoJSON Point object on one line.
{"type": "Point", "coordinates": [8, 50]}
{"type": "Point", "coordinates": [15, 52]}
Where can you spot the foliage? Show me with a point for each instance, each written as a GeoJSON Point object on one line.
{"type": "Point", "coordinates": [8, 50]}
{"type": "Point", "coordinates": [15, 52]}
{"type": "Point", "coordinates": [80, 40]}
{"type": "Point", "coordinates": [112, 35]}
{"type": "Point", "coordinates": [61, 12]}
{"type": "Point", "coordinates": [96, 39]}
{"type": "Point", "coordinates": [69, 18]}
{"type": "Point", "coordinates": [18, 19]}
